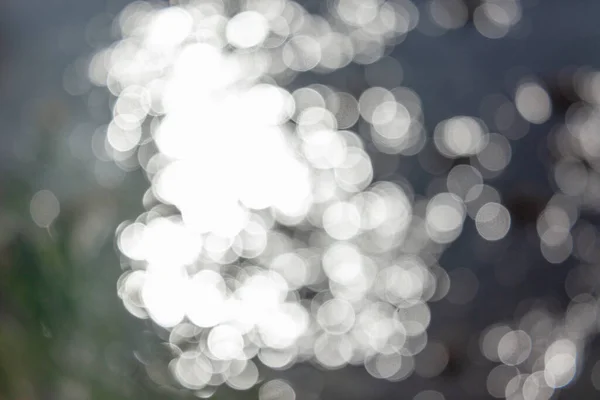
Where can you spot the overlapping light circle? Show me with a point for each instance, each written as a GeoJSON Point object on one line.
{"type": "Point", "coordinates": [266, 240]}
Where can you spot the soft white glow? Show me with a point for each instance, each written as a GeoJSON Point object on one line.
{"type": "Point", "coordinates": [445, 217]}
{"type": "Point", "coordinates": [492, 221]}
{"type": "Point", "coordinates": [247, 29]}
{"type": "Point", "coordinates": [460, 136]}
{"type": "Point", "coordinates": [533, 103]}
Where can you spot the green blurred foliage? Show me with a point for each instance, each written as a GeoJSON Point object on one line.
{"type": "Point", "coordinates": [64, 333]}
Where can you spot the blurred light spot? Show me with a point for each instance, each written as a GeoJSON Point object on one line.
{"type": "Point", "coordinates": [514, 347]}
{"type": "Point", "coordinates": [571, 177]}
{"type": "Point", "coordinates": [494, 19]}
{"type": "Point", "coordinates": [168, 28]}
{"type": "Point", "coordinates": [246, 379]}
{"type": "Point", "coordinates": [514, 386]}
{"type": "Point", "coordinates": [498, 379]}
{"type": "Point", "coordinates": [164, 299]}
{"type": "Point", "coordinates": [560, 363]}
{"type": "Point", "coordinates": [341, 221]}
{"type": "Point", "coordinates": [356, 172]}
{"type": "Point", "coordinates": [465, 181]}
{"type": "Point", "coordinates": [492, 221]}
{"type": "Point", "coordinates": [277, 358]}
{"type": "Point", "coordinates": [496, 155]}
{"type": "Point", "coordinates": [343, 263]}
{"type": "Point", "coordinates": [123, 140]}
{"type": "Point", "coordinates": [44, 208]}
{"type": "Point", "coordinates": [247, 29]}
{"type": "Point", "coordinates": [490, 340]}
{"type": "Point", "coordinates": [535, 387]}
{"type": "Point", "coordinates": [276, 390]}
{"type": "Point", "coordinates": [445, 217]}
{"type": "Point", "coordinates": [448, 14]}
{"type": "Point", "coordinates": [346, 110]}
{"type": "Point", "coordinates": [225, 342]}
{"type": "Point", "coordinates": [460, 136]}
{"type": "Point", "coordinates": [193, 370]}
{"type": "Point", "coordinates": [336, 316]}
{"type": "Point", "coordinates": [333, 351]}
{"type": "Point", "coordinates": [302, 53]}
{"type": "Point", "coordinates": [533, 103]}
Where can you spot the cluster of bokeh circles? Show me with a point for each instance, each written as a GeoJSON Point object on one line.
{"type": "Point", "coordinates": [493, 19]}
{"type": "Point", "coordinates": [266, 241]}
{"type": "Point", "coordinates": [542, 350]}
{"type": "Point", "coordinates": [538, 353]}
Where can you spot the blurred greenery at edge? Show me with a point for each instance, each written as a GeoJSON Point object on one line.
{"type": "Point", "coordinates": [64, 332]}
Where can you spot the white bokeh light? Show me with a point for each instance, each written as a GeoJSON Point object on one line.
{"type": "Point", "coordinates": [266, 239]}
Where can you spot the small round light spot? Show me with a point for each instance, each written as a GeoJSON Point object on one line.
{"type": "Point", "coordinates": [247, 29]}
{"type": "Point", "coordinates": [44, 208]}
